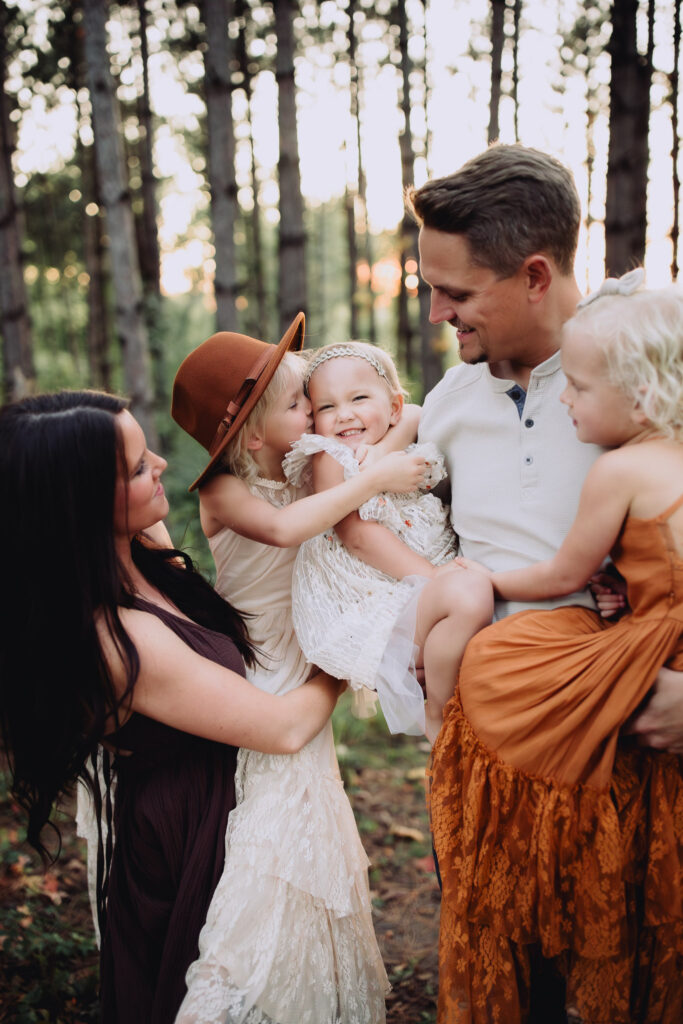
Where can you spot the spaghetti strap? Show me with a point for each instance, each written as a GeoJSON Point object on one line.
{"type": "Point", "coordinates": [663, 516]}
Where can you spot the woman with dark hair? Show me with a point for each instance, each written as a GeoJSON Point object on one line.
{"type": "Point", "coordinates": [110, 640]}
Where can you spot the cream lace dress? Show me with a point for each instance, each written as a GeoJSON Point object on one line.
{"type": "Point", "coordinates": [353, 620]}
{"type": "Point", "coordinates": [289, 936]}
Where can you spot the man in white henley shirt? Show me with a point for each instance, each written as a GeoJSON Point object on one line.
{"type": "Point", "coordinates": [497, 245]}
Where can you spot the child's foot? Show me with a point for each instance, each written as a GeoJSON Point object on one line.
{"type": "Point", "coordinates": [433, 721]}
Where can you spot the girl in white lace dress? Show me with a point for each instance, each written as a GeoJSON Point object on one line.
{"type": "Point", "coordinates": [376, 595]}
{"type": "Point", "coordinates": [289, 937]}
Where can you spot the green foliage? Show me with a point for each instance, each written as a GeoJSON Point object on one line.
{"type": "Point", "coordinates": [48, 964]}
{"type": "Point", "coordinates": [43, 968]}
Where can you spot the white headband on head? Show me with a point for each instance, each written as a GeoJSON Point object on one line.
{"type": "Point", "coordinates": [338, 352]}
{"type": "Point", "coordinates": [627, 284]}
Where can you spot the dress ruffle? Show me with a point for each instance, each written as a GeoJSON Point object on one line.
{"type": "Point", "coordinates": [525, 861]}
{"type": "Point", "coordinates": [289, 935]}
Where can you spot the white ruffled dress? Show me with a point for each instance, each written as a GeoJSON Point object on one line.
{"type": "Point", "coordinates": [289, 937]}
{"type": "Point", "coordinates": [353, 620]}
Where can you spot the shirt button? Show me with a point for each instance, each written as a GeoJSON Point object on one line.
{"type": "Point", "coordinates": [528, 423]}
{"type": "Point", "coordinates": [528, 459]}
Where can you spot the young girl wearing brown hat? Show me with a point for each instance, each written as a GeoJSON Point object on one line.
{"type": "Point", "coordinates": [289, 934]}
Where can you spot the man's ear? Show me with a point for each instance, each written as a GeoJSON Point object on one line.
{"type": "Point", "coordinates": [538, 273]}
{"type": "Point", "coordinates": [396, 408]}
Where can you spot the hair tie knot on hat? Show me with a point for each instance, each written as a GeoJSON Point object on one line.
{"type": "Point", "coordinates": [627, 284]}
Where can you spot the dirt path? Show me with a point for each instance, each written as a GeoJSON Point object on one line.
{"type": "Point", "coordinates": [390, 810]}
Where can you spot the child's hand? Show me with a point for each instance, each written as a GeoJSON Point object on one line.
{"type": "Point", "coordinates": [609, 590]}
{"type": "Point", "coordinates": [399, 472]}
{"type": "Point", "coordinates": [367, 455]}
{"type": "Point", "coordinates": [469, 563]}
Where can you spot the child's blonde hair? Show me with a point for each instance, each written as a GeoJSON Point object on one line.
{"type": "Point", "coordinates": [237, 458]}
{"type": "Point", "coordinates": [378, 358]}
{"type": "Point", "coordinates": [641, 336]}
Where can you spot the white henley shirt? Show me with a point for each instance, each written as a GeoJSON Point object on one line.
{"type": "Point", "coordinates": [515, 480]}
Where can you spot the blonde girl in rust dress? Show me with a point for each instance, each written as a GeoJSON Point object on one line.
{"type": "Point", "coordinates": [548, 835]}
{"type": "Point", "coordinates": [289, 937]}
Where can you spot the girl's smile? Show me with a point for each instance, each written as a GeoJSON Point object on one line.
{"type": "Point", "coordinates": [351, 402]}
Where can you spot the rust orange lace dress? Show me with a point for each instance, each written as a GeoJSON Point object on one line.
{"type": "Point", "coordinates": [548, 834]}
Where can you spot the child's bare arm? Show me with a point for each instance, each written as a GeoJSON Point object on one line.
{"type": "Point", "coordinates": [604, 503]}
{"type": "Point", "coordinates": [370, 542]}
{"type": "Point", "coordinates": [227, 501]}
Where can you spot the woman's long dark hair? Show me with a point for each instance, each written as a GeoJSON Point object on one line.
{"type": "Point", "coordinates": [59, 458]}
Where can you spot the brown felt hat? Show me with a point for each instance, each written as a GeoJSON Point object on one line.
{"type": "Point", "coordinates": [220, 382]}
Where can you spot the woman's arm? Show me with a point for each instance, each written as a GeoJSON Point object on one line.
{"type": "Point", "coordinates": [370, 542]}
{"type": "Point", "coordinates": [186, 691]}
{"type": "Point", "coordinates": [604, 503]}
{"type": "Point", "coordinates": [227, 501]}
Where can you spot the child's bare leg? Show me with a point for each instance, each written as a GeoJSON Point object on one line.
{"type": "Point", "coordinates": [452, 608]}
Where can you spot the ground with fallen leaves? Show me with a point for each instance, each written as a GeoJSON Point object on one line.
{"type": "Point", "coordinates": [48, 961]}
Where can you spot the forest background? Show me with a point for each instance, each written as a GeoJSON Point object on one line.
{"type": "Point", "coordinates": [169, 168]}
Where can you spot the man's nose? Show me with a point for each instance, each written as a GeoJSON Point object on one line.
{"type": "Point", "coordinates": [439, 310]}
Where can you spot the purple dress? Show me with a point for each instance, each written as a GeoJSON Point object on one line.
{"type": "Point", "coordinates": [174, 792]}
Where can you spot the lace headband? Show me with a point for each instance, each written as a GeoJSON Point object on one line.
{"type": "Point", "coordinates": [337, 352]}
{"type": "Point", "coordinates": [627, 284]}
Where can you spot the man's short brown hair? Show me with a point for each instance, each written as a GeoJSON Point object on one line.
{"type": "Point", "coordinates": [508, 203]}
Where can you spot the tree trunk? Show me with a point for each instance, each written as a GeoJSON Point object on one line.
{"type": "Point", "coordinates": [497, 40]}
{"type": "Point", "coordinates": [97, 339]}
{"type": "Point", "coordinates": [675, 148]}
{"type": "Point", "coordinates": [349, 197]}
{"type": "Point", "coordinates": [517, 17]}
{"type": "Point", "coordinates": [259, 318]}
{"type": "Point", "coordinates": [292, 238]}
{"type": "Point", "coordinates": [149, 248]}
{"type": "Point", "coordinates": [409, 229]}
{"type": "Point", "coordinates": [115, 195]}
{"type": "Point", "coordinates": [363, 239]}
{"type": "Point", "coordinates": [216, 15]}
{"type": "Point", "coordinates": [628, 153]}
{"type": "Point", "coordinates": [15, 326]}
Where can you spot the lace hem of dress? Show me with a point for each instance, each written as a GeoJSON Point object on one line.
{"type": "Point", "coordinates": [593, 877]}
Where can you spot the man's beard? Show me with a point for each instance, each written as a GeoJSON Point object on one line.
{"type": "Point", "coordinates": [481, 358]}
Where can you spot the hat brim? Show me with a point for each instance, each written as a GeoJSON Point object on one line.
{"type": "Point", "coordinates": [291, 341]}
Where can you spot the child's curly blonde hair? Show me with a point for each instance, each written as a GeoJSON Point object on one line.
{"type": "Point", "coordinates": [641, 336]}
{"type": "Point", "coordinates": [237, 458]}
